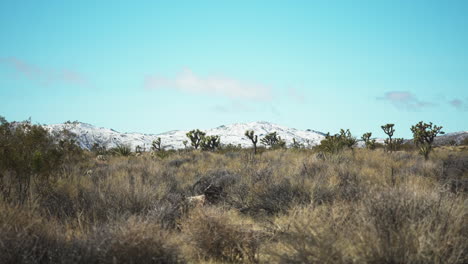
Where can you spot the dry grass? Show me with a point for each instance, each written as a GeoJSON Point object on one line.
{"type": "Point", "coordinates": [282, 206]}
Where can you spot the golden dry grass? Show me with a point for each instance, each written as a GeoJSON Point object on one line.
{"type": "Point", "coordinates": [282, 206]}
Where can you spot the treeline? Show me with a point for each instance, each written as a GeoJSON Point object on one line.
{"type": "Point", "coordinates": [423, 139]}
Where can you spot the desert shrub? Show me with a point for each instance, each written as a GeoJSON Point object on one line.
{"type": "Point", "coordinates": [332, 144]}
{"type": "Point", "coordinates": [464, 141]}
{"type": "Point", "coordinates": [98, 149]}
{"type": "Point", "coordinates": [304, 241]}
{"type": "Point", "coordinates": [408, 226]}
{"type": "Point", "coordinates": [389, 226]}
{"type": "Point", "coordinates": [178, 162]}
{"type": "Point", "coordinates": [217, 235]}
{"type": "Point", "coordinates": [25, 237]}
{"type": "Point", "coordinates": [272, 140]}
{"type": "Point", "coordinates": [214, 185]}
{"type": "Point", "coordinates": [276, 198]}
{"type": "Point", "coordinates": [31, 156]}
{"type": "Point", "coordinates": [453, 173]}
{"type": "Point", "coordinates": [349, 186]}
{"type": "Point", "coordinates": [169, 210]}
{"type": "Point", "coordinates": [121, 150]}
{"type": "Point", "coordinates": [134, 241]}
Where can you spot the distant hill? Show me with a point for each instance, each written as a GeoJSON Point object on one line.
{"type": "Point", "coordinates": [88, 135]}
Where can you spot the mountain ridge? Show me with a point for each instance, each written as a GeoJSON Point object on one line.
{"type": "Point", "coordinates": [88, 135]}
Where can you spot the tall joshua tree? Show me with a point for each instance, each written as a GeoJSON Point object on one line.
{"type": "Point", "coordinates": [389, 130]}
{"type": "Point", "coordinates": [196, 136]}
{"type": "Point", "coordinates": [423, 136]}
{"type": "Point", "coordinates": [254, 138]}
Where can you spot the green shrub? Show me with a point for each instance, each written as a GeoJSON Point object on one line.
{"type": "Point", "coordinates": [336, 143]}
{"type": "Point", "coordinates": [273, 141]}
{"type": "Point", "coordinates": [122, 150]}
{"type": "Point", "coordinates": [30, 155]}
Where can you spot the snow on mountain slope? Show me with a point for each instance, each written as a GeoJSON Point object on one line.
{"type": "Point", "coordinates": [233, 134]}
{"type": "Point", "coordinates": [88, 135]}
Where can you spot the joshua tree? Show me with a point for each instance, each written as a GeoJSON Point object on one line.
{"type": "Point", "coordinates": [370, 143]}
{"type": "Point", "coordinates": [273, 140]}
{"type": "Point", "coordinates": [297, 145]}
{"type": "Point", "coordinates": [423, 136]}
{"type": "Point", "coordinates": [210, 142]}
{"type": "Point", "coordinates": [196, 136]}
{"type": "Point", "coordinates": [253, 138]}
{"type": "Point", "coordinates": [138, 149]}
{"type": "Point", "coordinates": [333, 144]}
{"type": "Point", "coordinates": [347, 138]}
{"type": "Point", "coordinates": [185, 142]}
{"type": "Point", "coordinates": [389, 130]}
{"type": "Point", "coordinates": [156, 145]}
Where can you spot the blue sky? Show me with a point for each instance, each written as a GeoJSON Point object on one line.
{"type": "Point", "coordinates": [154, 66]}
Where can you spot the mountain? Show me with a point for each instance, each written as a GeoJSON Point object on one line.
{"type": "Point", "coordinates": [448, 138]}
{"type": "Point", "coordinates": [233, 134]}
{"type": "Point", "coordinates": [88, 135]}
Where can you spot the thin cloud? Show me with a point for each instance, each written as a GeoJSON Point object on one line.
{"type": "Point", "coordinates": [405, 100]}
{"type": "Point", "coordinates": [41, 75]}
{"type": "Point", "coordinates": [188, 81]}
{"type": "Point", "coordinates": [459, 104]}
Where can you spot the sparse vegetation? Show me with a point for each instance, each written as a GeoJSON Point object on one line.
{"type": "Point", "coordinates": [284, 206]}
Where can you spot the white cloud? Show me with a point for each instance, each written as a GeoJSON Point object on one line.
{"type": "Point", "coordinates": [188, 81]}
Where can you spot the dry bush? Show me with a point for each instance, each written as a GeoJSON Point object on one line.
{"type": "Point", "coordinates": [221, 235]}
{"type": "Point", "coordinates": [357, 206]}
{"type": "Point", "coordinates": [25, 237]}
{"type": "Point", "coordinates": [391, 226]}
{"type": "Point", "coordinates": [133, 241]}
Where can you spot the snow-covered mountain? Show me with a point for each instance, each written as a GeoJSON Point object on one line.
{"type": "Point", "coordinates": [88, 135]}
{"type": "Point", "coordinates": [233, 134]}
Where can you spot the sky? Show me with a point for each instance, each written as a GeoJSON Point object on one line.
{"type": "Point", "coordinates": [154, 66]}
